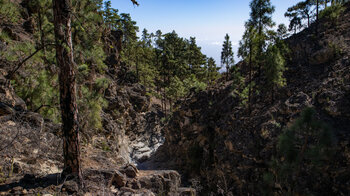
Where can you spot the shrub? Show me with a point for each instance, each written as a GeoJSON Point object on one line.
{"type": "Point", "coordinates": [303, 149]}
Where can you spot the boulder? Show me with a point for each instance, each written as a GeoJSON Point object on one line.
{"type": "Point", "coordinates": [297, 102]}
{"type": "Point", "coordinates": [6, 109]}
{"type": "Point", "coordinates": [165, 182]}
{"type": "Point", "coordinates": [322, 56]}
{"type": "Point", "coordinates": [130, 170]}
{"type": "Point", "coordinates": [187, 191]}
{"type": "Point", "coordinates": [7, 93]}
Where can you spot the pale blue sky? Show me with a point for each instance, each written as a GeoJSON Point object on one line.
{"type": "Point", "coordinates": [207, 20]}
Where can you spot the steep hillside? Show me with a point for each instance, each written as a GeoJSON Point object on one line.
{"type": "Point", "coordinates": [211, 139]}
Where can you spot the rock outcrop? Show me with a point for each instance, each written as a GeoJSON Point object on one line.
{"type": "Point", "coordinates": [135, 122]}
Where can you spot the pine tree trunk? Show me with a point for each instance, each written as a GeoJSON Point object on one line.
{"type": "Point", "coordinates": [250, 78]}
{"type": "Point", "coordinates": [227, 73]}
{"type": "Point", "coordinates": [164, 96]}
{"type": "Point", "coordinates": [260, 48]}
{"type": "Point", "coordinates": [67, 77]}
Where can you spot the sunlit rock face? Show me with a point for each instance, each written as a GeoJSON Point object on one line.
{"type": "Point", "coordinates": [135, 122]}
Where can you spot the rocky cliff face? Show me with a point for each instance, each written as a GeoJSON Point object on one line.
{"type": "Point", "coordinates": [211, 139]}
{"type": "Point", "coordinates": [135, 123]}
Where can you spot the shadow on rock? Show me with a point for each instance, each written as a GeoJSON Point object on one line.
{"type": "Point", "coordinates": [29, 181]}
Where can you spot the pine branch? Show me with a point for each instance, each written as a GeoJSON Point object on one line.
{"type": "Point", "coordinates": [135, 2]}
{"type": "Point", "coordinates": [11, 73]}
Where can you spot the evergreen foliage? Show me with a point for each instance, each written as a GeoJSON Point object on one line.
{"type": "Point", "coordinates": [180, 64]}
{"type": "Point", "coordinates": [333, 12]}
{"type": "Point", "coordinates": [282, 32]}
{"type": "Point", "coordinates": [299, 12]}
{"type": "Point", "coordinates": [167, 65]}
{"type": "Point", "coordinates": [306, 146]}
{"type": "Point", "coordinates": [276, 55]}
{"type": "Point", "coordinates": [264, 54]}
{"type": "Point", "coordinates": [196, 59]}
{"type": "Point", "coordinates": [261, 19]}
{"type": "Point", "coordinates": [38, 84]}
{"type": "Point", "coordinates": [247, 50]}
{"type": "Point", "coordinates": [212, 73]}
{"type": "Point", "coordinates": [309, 11]}
{"type": "Point", "coordinates": [227, 59]}
{"type": "Point", "coordinates": [275, 66]}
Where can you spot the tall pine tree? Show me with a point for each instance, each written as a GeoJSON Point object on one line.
{"type": "Point", "coordinates": [248, 51]}
{"type": "Point", "coordinates": [227, 59]}
{"type": "Point", "coordinates": [67, 80]}
{"type": "Point", "coordinates": [261, 19]}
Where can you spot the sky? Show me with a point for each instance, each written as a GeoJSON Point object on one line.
{"type": "Point", "coordinates": [207, 20]}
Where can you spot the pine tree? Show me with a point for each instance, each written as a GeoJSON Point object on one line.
{"type": "Point", "coordinates": [297, 13]}
{"type": "Point", "coordinates": [195, 58]}
{"type": "Point", "coordinates": [261, 19]}
{"type": "Point", "coordinates": [212, 71]}
{"type": "Point", "coordinates": [275, 66]}
{"type": "Point", "coordinates": [69, 110]}
{"type": "Point", "coordinates": [129, 28]}
{"type": "Point", "coordinates": [147, 54]}
{"type": "Point", "coordinates": [227, 59]}
{"type": "Point", "coordinates": [306, 146]}
{"type": "Point", "coordinates": [180, 65]}
{"type": "Point", "coordinates": [248, 51]}
{"type": "Point", "coordinates": [146, 38]}
{"type": "Point", "coordinates": [107, 14]}
{"type": "Point", "coordinates": [40, 8]}
{"type": "Point", "coordinates": [173, 61]}
{"type": "Point", "coordinates": [129, 54]}
{"type": "Point", "coordinates": [282, 32]}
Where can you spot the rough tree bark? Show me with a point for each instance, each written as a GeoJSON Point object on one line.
{"type": "Point", "coordinates": [67, 81]}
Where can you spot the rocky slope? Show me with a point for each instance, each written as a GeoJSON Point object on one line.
{"type": "Point", "coordinates": [212, 140]}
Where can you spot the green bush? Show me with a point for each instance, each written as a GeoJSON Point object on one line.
{"type": "Point", "coordinates": [4, 37]}
{"type": "Point", "coordinates": [304, 148]}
